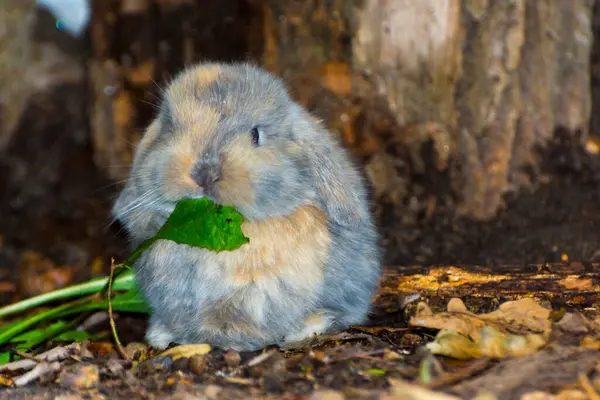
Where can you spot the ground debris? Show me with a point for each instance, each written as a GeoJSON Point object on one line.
{"type": "Point", "coordinates": [490, 352]}
{"type": "Point", "coordinates": [55, 354]}
{"type": "Point", "coordinates": [79, 376]}
{"type": "Point", "coordinates": [544, 370]}
{"type": "Point", "coordinates": [516, 328]}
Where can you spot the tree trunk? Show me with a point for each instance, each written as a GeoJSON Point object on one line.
{"type": "Point", "coordinates": [444, 102]}
{"type": "Point", "coordinates": [485, 81]}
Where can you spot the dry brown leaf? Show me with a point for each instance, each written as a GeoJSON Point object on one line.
{"type": "Point", "coordinates": [187, 351]}
{"type": "Point", "coordinates": [571, 394]}
{"type": "Point", "coordinates": [591, 342]}
{"type": "Point", "coordinates": [403, 390]}
{"type": "Point", "coordinates": [538, 395]}
{"type": "Point", "coordinates": [577, 283]}
{"type": "Point", "coordinates": [326, 394]}
{"type": "Point", "coordinates": [577, 323]}
{"type": "Point", "coordinates": [516, 328]}
{"type": "Point", "coordinates": [374, 330]}
{"type": "Point", "coordinates": [4, 381]}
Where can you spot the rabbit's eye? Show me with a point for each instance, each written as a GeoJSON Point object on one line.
{"type": "Point", "coordinates": [255, 136]}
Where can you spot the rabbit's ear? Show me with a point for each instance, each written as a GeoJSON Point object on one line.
{"type": "Point", "coordinates": [338, 182]}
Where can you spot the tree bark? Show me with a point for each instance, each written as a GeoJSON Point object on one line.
{"type": "Point", "coordinates": [486, 82]}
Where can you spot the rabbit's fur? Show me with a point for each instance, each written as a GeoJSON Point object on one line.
{"type": "Point", "coordinates": [313, 261]}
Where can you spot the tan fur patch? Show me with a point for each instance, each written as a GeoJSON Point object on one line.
{"type": "Point", "coordinates": [293, 148]}
{"type": "Point", "coordinates": [316, 323]}
{"type": "Point", "coordinates": [149, 136]}
{"type": "Point", "coordinates": [207, 74]}
{"type": "Point", "coordinates": [221, 317]}
{"type": "Point", "coordinates": [177, 174]}
{"type": "Point", "coordinates": [296, 245]}
{"type": "Point", "coordinates": [236, 187]}
{"type": "Point", "coordinates": [184, 151]}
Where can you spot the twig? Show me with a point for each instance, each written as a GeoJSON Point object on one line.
{"type": "Point", "coordinates": [40, 370]}
{"type": "Point", "coordinates": [262, 357]}
{"type": "Point", "coordinates": [28, 356]}
{"type": "Point", "coordinates": [55, 354]}
{"type": "Point", "coordinates": [588, 387]}
{"type": "Point", "coordinates": [362, 354]}
{"type": "Point", "coordinates": [453, 377]}
{"type": "Point", "coordinates": [110, 313]}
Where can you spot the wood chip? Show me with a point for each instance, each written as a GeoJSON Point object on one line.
{"type": "Point", "coordinates": [39, 371]}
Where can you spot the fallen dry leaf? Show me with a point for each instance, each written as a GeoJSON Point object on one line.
{"type": "Point", "coordinates": [4, 381]}
{"type": "Point", "coordinates": [187, 351]}
{"type": "Point", "coordinates": [576, 323]}
{"type": "Point", "coordinates": [591, 342]}
{"type": "Point", "coordinates": [577, 283]}
{"type": "Point", "coordinates": [403, 390]}
{"type": "Point", "coordinates": [375, 330]}
{"type": "Point", "coordinates": [327, 394]}
{"type": "Point", "coordinates": [516, 328]}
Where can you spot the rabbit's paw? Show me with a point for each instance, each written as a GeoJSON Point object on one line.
{"type": "Point", "coordinates": [315, 324]}
{"type": "Point", "coordinates": [158, 336]}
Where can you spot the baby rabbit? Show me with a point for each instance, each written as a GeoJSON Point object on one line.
{"type": "Point", "coordinates": [232, 133]}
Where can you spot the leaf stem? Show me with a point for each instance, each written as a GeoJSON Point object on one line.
{"type": "Point", "coordinates": [123, 281]}
{"type": "Point", "coordinates": [110, 313]}
{"type": "Point", "coordinates": [26, 323]}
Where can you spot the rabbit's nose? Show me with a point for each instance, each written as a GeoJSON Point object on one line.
{"type": "Point", "coordinates": [206, 175]}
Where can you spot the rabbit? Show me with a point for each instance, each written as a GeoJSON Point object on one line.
{"type": "Point", "coordinates": [232, 133]}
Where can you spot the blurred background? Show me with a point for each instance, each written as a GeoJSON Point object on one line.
{"type": "Point", "coordinates": [476, 122]}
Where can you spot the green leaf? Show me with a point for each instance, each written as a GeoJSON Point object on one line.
{"type": "Point", "coordinates": [36, 334]}
{"type": "Point", "coordinates": [21, 326]}
{"type": "Point", "coordinates": [76, 336]}
{"type": "Point", "coordinates": [376, 371]}
{"type": "Point", "coordinates": [200, 223]}
{"type": "Point", "coordinates": [130, 301]}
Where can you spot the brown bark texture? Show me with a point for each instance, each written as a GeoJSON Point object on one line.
{"type": "Point", "coordinates": [486, 82]}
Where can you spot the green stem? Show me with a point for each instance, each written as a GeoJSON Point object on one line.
{"type": "Point", "coordinates": [21, 326]}
{"type": "Point", "coordinates": [123, 282]}
{"type": "Point", "coordinates": [51, 334]}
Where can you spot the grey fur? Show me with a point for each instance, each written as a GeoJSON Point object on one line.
{"type": "Point", "coordinates": [186, 295]}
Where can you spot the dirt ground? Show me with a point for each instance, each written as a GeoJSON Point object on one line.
{"type": "Point", "coordinates": [54, 230]}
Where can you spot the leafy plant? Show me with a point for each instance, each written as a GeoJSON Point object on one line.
{"type": "Point", "coordinates": [194, 222]}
